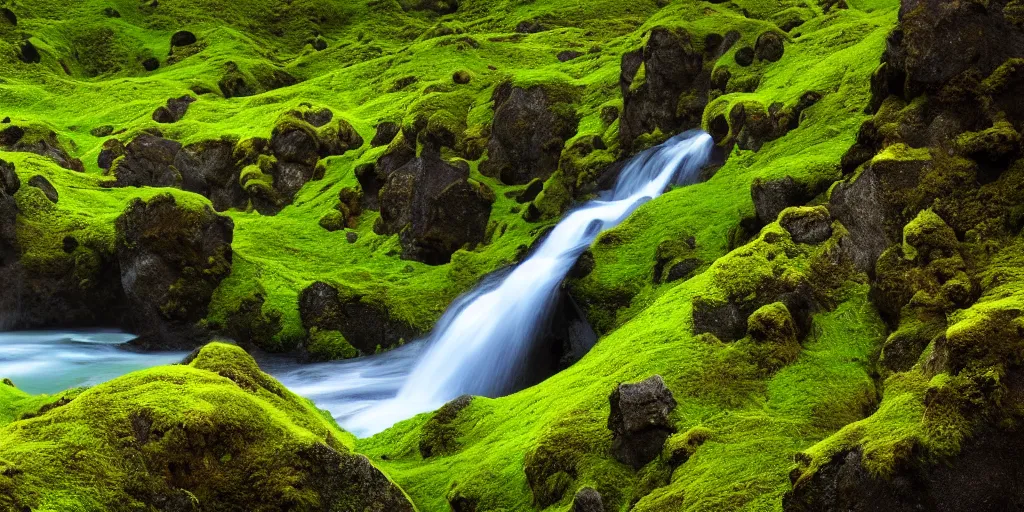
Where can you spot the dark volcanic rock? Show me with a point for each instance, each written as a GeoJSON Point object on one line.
{"type": "Point", "coordinates": [587, 500]}
{"type": "Point", "coordinates": [807, 225]}
{"type": "Point", "coordinates": [172, 259]}
{"type": "Point", "coordinates": [351, 482]}
{"type": "Point", "coordinates": [148, 162]}
{"type": "Point", "coordinates": [720, 318]}
{"type": "Point", "coordinates": [44, 184]}
{"type": "Point", "coordinates": [9, 185]}
{"type": "Point", "coordinates": [639, 420]}
{"type": "Point", "coordinates": [771, 197]}
{"type": "Point", "coordinates": [530, 127]}
{"type": "Point", "coordinates": [29, 54]}
{"type": "Point", "coordinates": [209, 168]}
{"type": "Point", "coordinates": [43, 142]}
{"type": "Point", "coordinates": [183, 38]}
{"type": "Point", "coordinates": [984, 477]}
{"type": "Point", "coordinates": [434, 209]}
{"type": "Point", "coordinates": [174, 111]}
{"type": "Point", "coordinates": [151, 64]}
{"type": "Point", "coordinates": [386, 133]}
{"type": "Point", "coordinates": [672, 68]}
{"type": "Point", "coordinates": [745, 56]}
{"type": "Point", "coordinates": [365, 325]}
{"type": "Point", "coordinates": [769, 47]}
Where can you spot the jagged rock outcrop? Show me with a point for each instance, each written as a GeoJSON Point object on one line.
{"type": "Point", "coordinates": [172, 258]}
{"type": "Point", "coordinates": [365, 325]}
{"type": "Point", "coordinates": [434, 208]}
{"type": "Point", "coordinates": [639, 420]}
{"type": "Point", "coordinates": [671, 68]}
{"type": "Point", "coordinates": [209, 168]}
{"type": "Point", "coordinates": [41, 141]}
{"type": "Point", "coordinates": [529, 130]}
{"type": "Point", "coordinates": [174, 110]}
{"type": "Point", "coordinates": [148, 162]}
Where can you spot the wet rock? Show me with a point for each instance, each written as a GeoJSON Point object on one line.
{"type": "Point", "coordinates": [438, 436]}
{"type": "Point", "coordinates": [183, 38]}
{"type": "Point", "coordinates": [639, 420]}
{"type": "Point", "coordinates": [366, 325]}
{"type": "Point", "coordinates": [587, 500]}
{"type": "Point", "coordinates": [984, 477]}
{"type": "Point", "coordinates": [44, 184]}
{"type": "Point", "coordinates": [172, 258]}
{"type": "Point", "coordinates": [434, 209]}
{"type": "Point", "coordinates": [770, 46]}
{"type": "Point", "coordinates": [174, 110]}
{"type": "Point", "coordinates": [209, 168]}
{"type": "Point", "coordinates": [530, 127]}
{"type": "Point", "coordinates": [745, 56]}
{"type": "Point", "coordinates": [386, 133]}
{"type": "Point", "coordinates": [672, 69]}
{"type": "Point", "coordinates": [29, 54]}
{"type": "Point", "coordinates": [148, 162]}
{"type": "Point", "coordinates": [807, 225]}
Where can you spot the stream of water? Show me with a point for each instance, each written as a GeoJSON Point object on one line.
{"type": "Point", "coordinates": [479, 346]}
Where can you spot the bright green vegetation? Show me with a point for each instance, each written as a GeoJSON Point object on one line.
{"type": "Point", "coordinates": [212, 426]}
{"type": "Point", "coordinates": [745, 407]}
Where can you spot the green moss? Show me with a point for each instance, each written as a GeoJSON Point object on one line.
{"type": "Point", "coordinates": [329, 346]}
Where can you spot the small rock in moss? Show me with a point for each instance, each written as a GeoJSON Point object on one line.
{"type": "Point", "coordinates": [745, 56]}
{"type": "Point", "coordinates": [462, 77]}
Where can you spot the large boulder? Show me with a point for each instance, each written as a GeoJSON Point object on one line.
{"type": "Point", "coordinates": [530, 128]}
{"type": "Point", "coordinates": [213, 433]}
{"type": "Point", "coordinates": [639, 420]}
{"type": "Point", "coordinates": [671, 68]}
{"type": "Point", "coordinates": [434, 208]}
{"type": "Point", "coordinates": [148, 162]}
{"type": "Point", "coordinates": [984, 477]}
{"type": "Point", "coordinates": [172, 258]}
{"type": "Point", "coordinates": [209, 168]}
{"type": "Point", "coordinates": [365, 325]}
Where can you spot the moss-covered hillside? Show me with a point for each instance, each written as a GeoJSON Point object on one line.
{"type": "Point", "coordinates": [829, 320]}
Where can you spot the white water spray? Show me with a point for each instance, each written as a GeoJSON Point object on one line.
{"type": "Point", "coordinates": [479, 347]}
{"type": "Point", "coordinates": [482, 342]}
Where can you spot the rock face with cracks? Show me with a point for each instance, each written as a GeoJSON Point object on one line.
{"type": "Point", "coordinates": [639, 420]}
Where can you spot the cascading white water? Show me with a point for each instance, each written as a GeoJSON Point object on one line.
{"type": "Point", "coordinates": [478, 347]}
{"type": "Point", "coordinates": [481, 343]}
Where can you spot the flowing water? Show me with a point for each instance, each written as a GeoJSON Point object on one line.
{"type": "Point", "coordinates": [479, 346]}
{"type": "Point", "coordinates": [52, 361]}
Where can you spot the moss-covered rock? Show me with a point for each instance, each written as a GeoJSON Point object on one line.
{"type": "Point", "coordinates": [213, 434]}
{"type": "Point", "coordinates": [172, 258]}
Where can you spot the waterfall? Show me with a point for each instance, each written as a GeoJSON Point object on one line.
{"type": "Point", "coordinates": [481, 343]}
